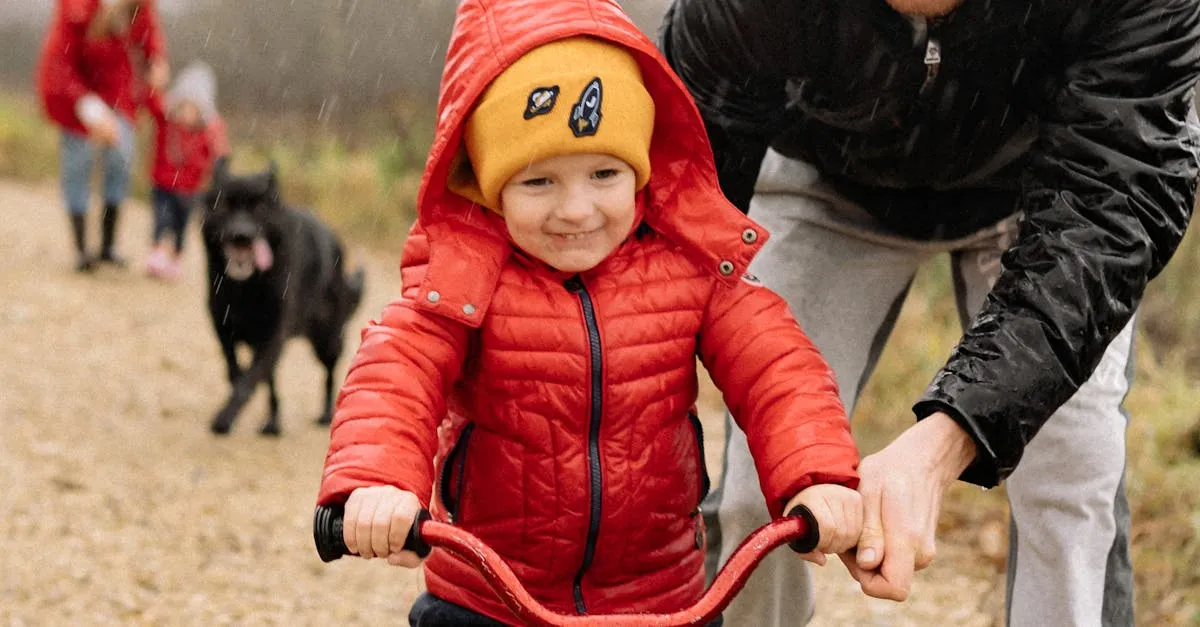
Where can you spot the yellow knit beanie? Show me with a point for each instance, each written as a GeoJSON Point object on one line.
{"type": "Point", "coordinates": [578, 95]}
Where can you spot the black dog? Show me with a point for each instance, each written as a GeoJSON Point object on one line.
{"type": "Point", "coordinates": [275, 272]}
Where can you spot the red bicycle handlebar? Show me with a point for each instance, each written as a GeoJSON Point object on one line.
{"type": "Point", "coordinates": [798, 529]}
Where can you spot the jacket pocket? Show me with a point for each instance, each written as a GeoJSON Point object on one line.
{"type": "Point", "coordinates": [704, 481]}
{"type": "Point", "coordinates": [453, 470]}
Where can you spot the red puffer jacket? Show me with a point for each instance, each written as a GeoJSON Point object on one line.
{"type": "Point", "coordinates": [568, 441]}
{"type": "Point", "coordinates": [73, 65]}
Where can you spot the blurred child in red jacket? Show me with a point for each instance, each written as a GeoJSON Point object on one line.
{"type": "Point", "coordinates": [190, 136]}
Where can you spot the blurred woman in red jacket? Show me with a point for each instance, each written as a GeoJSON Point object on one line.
{"type": "Point", "coordinates": [96, 56]}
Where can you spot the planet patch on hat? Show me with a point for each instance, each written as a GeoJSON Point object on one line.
{"type": "Point", "coordinates": [541, 101]}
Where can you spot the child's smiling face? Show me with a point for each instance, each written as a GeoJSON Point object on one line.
{"type": "Point", "coordinates": [571, 211]}
{"type": "Point", "coordinates": [187, 114]}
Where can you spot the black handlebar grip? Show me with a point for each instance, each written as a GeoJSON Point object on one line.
{"type": "Point", "coordinates": [811, 538]}
{"type": "Point", "coordinates": [327, 533]}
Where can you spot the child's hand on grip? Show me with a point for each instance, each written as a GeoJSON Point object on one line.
{"type": "Point", "coordinates": [376, 523]}
{"type": "Point", "coordinates": [838, 511]}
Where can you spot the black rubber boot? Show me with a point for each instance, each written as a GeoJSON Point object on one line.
{"type": "Point", "coordinates": [83, 261]}
{"type": "Point", "coordinates": [108, 232]}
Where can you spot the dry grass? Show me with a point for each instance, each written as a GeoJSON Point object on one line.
{"type": "Point", "coordinates": [364, 185]}
{"type": "Point", "coordinates": [28, 146]}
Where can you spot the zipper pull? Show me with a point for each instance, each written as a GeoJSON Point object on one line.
{"type": "Point", "coordinates": [933, 62]}
{"type": "Point", "coordinates": [933, 54]}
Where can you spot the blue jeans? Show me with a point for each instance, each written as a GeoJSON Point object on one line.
{"type": "Point", "coordinates": [171, 211]}
{"type": "Point", "coordinates": [431, 611]}
{"type": "Point", "coordinates": [77, 154]}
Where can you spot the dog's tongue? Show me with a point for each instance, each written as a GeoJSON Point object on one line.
{"type": "Point", "coordinates": [263, 259]}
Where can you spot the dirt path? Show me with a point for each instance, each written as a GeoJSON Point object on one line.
{"type": "Point", "coordinates": [118, 507]}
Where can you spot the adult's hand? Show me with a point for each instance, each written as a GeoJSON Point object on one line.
{"type": "Point", "coordinates": [158, 74]}
{"type": "Point", "coordinates": [100, 120]}
{"type": "Point", "coordinates": [105, 132]}
{"type": "Point", "coordinates": [902, 487]}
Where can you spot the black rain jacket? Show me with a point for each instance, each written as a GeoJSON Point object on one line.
{"type": "Point", "coordinates": [1078, 115]}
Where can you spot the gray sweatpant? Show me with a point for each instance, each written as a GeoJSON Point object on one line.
{"type": "Point", "coordinates": [846, 280]}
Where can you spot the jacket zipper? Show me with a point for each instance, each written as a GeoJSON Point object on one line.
{"type": "Point", "coordinates": [933, 56]}
{"type": "Point", "coordinates": [457, 457]}
{"type": "Point", "coordinates": [705, 484]}
{"type": "Point", "coordinates": [595, 479]}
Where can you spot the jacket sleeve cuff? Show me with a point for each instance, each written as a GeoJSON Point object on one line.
{"type": "Point", "coordinates": [983, 470]}
{"type": "Point", "coordinates": [336, 489]}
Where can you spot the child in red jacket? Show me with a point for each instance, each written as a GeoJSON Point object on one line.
{"type": "Point", "coordinates": [536, 381]}
{"type": "Point", "coordinates": [189, 137]}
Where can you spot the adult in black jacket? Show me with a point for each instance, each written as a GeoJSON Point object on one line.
{"type": "Point", "coordinates": [1051, 149]}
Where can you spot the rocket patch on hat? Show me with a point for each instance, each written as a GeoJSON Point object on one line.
{"type": "Point", "coordinates": [541, 101]}
{"type": "Point", "coordinates": [585, 116]}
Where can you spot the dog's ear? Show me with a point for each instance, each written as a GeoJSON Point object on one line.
{"type": "Point", "coordinates": [220, 171]}
{"type": "Point", "coordinates": [273, 181]}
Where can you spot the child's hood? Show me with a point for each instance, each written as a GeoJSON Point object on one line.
{"type": "Point", "coordinates": [196, 83]}
{"type": "Point", "coordinates": [684, 201]}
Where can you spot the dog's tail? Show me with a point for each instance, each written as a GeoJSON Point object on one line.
{"type": "Point", "coordinates": [355, 286]}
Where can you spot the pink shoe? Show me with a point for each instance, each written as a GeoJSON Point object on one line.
{"type": "Point", "coordinates": [173, 270]}
{"type": "Point", "coordinates": [156, 264]}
